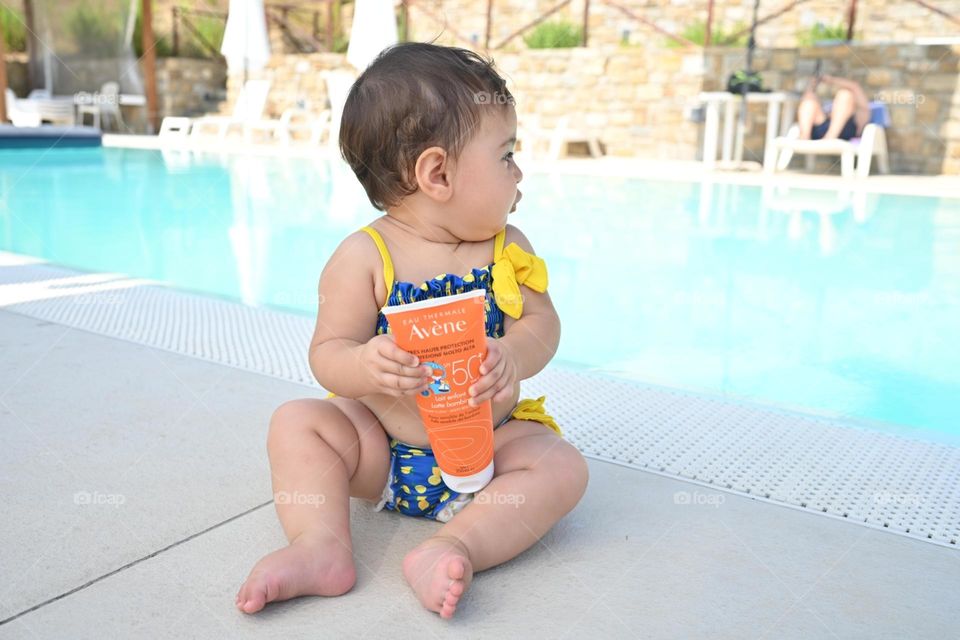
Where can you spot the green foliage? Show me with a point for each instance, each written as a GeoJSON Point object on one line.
{"type": "Point", "coordinates": [93, 30]}
{"type": "Point", "coordinates": [554, 35]}
{"type": "Point", "coordinates": [13, 29]}
{"type": "Point", "coordinates": [696, 32]}
{"type": "Point", "coordinates": [162, 47]}
{"type": "Point", "coordinates": [190, 47]}
{"type": "Point", "coordinates": [821, 32]}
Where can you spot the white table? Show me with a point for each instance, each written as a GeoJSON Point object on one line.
{"type": "Point", "coordinates": [781, 110]}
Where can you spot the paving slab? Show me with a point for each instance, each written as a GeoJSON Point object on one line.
{"type": "Point", "coordinates": [138, 499]}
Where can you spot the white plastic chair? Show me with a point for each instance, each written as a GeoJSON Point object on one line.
{"type": "Point", "coordinates": [856, 155]}
{"type": "Point", "coordinates": [174, 127]}
{"type": "Point", "coordinates": [248, 109]}
{"type": "Point", "coordinates": [557, 138]}
{"type": "Point", "coordinates": [102, 106]}
{"type": "Point", "coordinates": [296, 120]}
{"type": "Point", "coordinates": [19, 114]}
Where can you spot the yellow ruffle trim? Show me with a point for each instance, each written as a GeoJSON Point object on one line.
{"type": "Point", "coordinates": [513, 268]}
{"type": "Point", "coordinates": [530, 409]}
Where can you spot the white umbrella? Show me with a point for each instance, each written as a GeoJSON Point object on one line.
{"type": "Point", "coordinates": [374, 29]}
{"type": "Point", "coordinates": [245, 43]}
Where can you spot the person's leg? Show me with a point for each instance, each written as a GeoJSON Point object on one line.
{"type": "Point", "coordinates": [321, 452]}
{"type": "Point", "coordinates": [539, 477]}
{"type": "Point", "coordinates": [844, 106]}
{"type": "Point", "coordinates": [861, 110]}
{"type": "Point", "coordinates": [809, 114]}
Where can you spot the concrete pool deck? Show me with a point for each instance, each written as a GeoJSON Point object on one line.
{"type": "Point", "coordinates": [138, 498]}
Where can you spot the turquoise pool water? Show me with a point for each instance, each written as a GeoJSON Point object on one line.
{"type": "Point", "coordinates": [842, 304]}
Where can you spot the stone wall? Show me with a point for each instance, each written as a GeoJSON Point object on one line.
{"type": "Point", "coordinates": [920, 86]}
{"type": "Point", "coordinates": [634, 99]}
{"type": "Point", "coordinates": [877, 21]}
{"type": "Point", "coordinates": [296, 80]}
{"type": "Point", "coordinates": [189, 87]}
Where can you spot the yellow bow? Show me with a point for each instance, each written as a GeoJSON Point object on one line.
{"type": "Point", "coordinates": [530, 409]}
{"type": "Point", "coordinates": [513, 268]}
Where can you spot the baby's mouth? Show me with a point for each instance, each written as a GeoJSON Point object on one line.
{"type": "Point", "coordinates": [515, 202]}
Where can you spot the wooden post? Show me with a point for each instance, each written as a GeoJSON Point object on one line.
{"type": "Point", "coordinates": [851, 18]}
{"type": "Point", "coordinates": [175, 14]}
{"type": "Point", "coordinates": [3, 81]}
{"type": "Point", "coordinates": [32, 49]}
{"type": "Point", "coordinates": [708, 34]}
{"type": "Point", "coordinates": [405, 12]}
{"type": "Point", "coordinates": [486, 36]}
{"type": "Point", "coordinates": [149, 65]}
{"type": "Point", "coordinates": [330, 25]}
{"type": "Point", "coordinates": [586, 20]}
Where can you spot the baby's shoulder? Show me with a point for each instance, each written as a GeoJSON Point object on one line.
{"type": "Point", "coordinates": [513, 234]}
{"type": "Point", "coordinates": [356, 254]}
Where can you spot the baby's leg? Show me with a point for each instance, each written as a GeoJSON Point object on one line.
{"type": "Point", "coordinates": [321, 453]}
{"type": "Point", "coordinates": [538, 478]}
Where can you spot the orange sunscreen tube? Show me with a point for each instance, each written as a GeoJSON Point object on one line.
{"type": "Point", "coordinates": [448, 335]}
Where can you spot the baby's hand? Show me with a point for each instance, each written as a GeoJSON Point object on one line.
{"type": "Point", "coordinates": [390, 369]}
{"type": "Point", "coordinates": [498, 375]}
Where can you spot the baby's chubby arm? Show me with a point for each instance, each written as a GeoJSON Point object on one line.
{"type": "Point", "coordinates": [528, 343]}
{"type": "Point", "coordinates": [346, 356]}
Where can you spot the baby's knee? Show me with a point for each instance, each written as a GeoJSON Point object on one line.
{"type": "Point", "coordinates": [294, 417]}
{"type": "Point", "coordinates": [569, 471]}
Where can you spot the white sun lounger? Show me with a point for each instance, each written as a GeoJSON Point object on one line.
{"type": "Point", "coordinates": [872, 142]}
{"type": "Point", "coordinates": [248, 110]}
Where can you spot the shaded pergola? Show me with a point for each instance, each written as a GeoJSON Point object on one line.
{"type": "Point", "coordinates": [149, 60]}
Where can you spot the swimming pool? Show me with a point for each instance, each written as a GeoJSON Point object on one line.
{"type": "Point", "coordinates": [844, 304]}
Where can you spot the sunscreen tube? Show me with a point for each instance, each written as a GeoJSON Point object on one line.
{"type": "Point", "coordinates": [448, 335]}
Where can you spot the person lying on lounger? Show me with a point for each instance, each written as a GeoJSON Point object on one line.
{"type": "Point", "coordinates": [850, 112]}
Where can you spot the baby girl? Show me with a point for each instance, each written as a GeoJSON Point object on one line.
{"type": "Point", "coordinates": [429, 132]}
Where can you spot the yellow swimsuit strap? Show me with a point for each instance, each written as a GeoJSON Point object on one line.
{"type": "Point", "coordinates": [498, 244]}
{"type": "Point", "coordinates": [385, 256]}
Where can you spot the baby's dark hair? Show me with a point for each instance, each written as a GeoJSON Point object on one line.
{"type": "Point", "coordinates": [412, 97]}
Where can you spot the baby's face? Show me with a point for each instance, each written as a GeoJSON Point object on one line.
{"type": "Point", "coordinates": [485, 179]}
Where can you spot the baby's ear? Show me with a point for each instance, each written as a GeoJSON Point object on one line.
{"type": "Point", "coordinates": [431, 174]}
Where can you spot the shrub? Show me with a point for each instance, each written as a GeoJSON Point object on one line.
{"type": "Point", "coordinates": [821, 32]}
{"type": "Point", "coordinates": [554, 35]}
{"type": "Point", "coordinates": [696, 33]}
{"type": "Point", "coordinates": [13, 29]}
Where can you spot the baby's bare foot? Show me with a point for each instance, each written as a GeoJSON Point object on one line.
{"type": "Point", "coordinates": [439, 571]}
{"type": "Point", "coordinates": [309, 566]}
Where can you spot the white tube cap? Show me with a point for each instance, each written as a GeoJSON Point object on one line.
{"type": "Point", "coordinates": [471, 483]}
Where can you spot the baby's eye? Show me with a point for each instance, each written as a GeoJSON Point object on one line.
{"type": "Point", "coordinates": [509, 156]}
